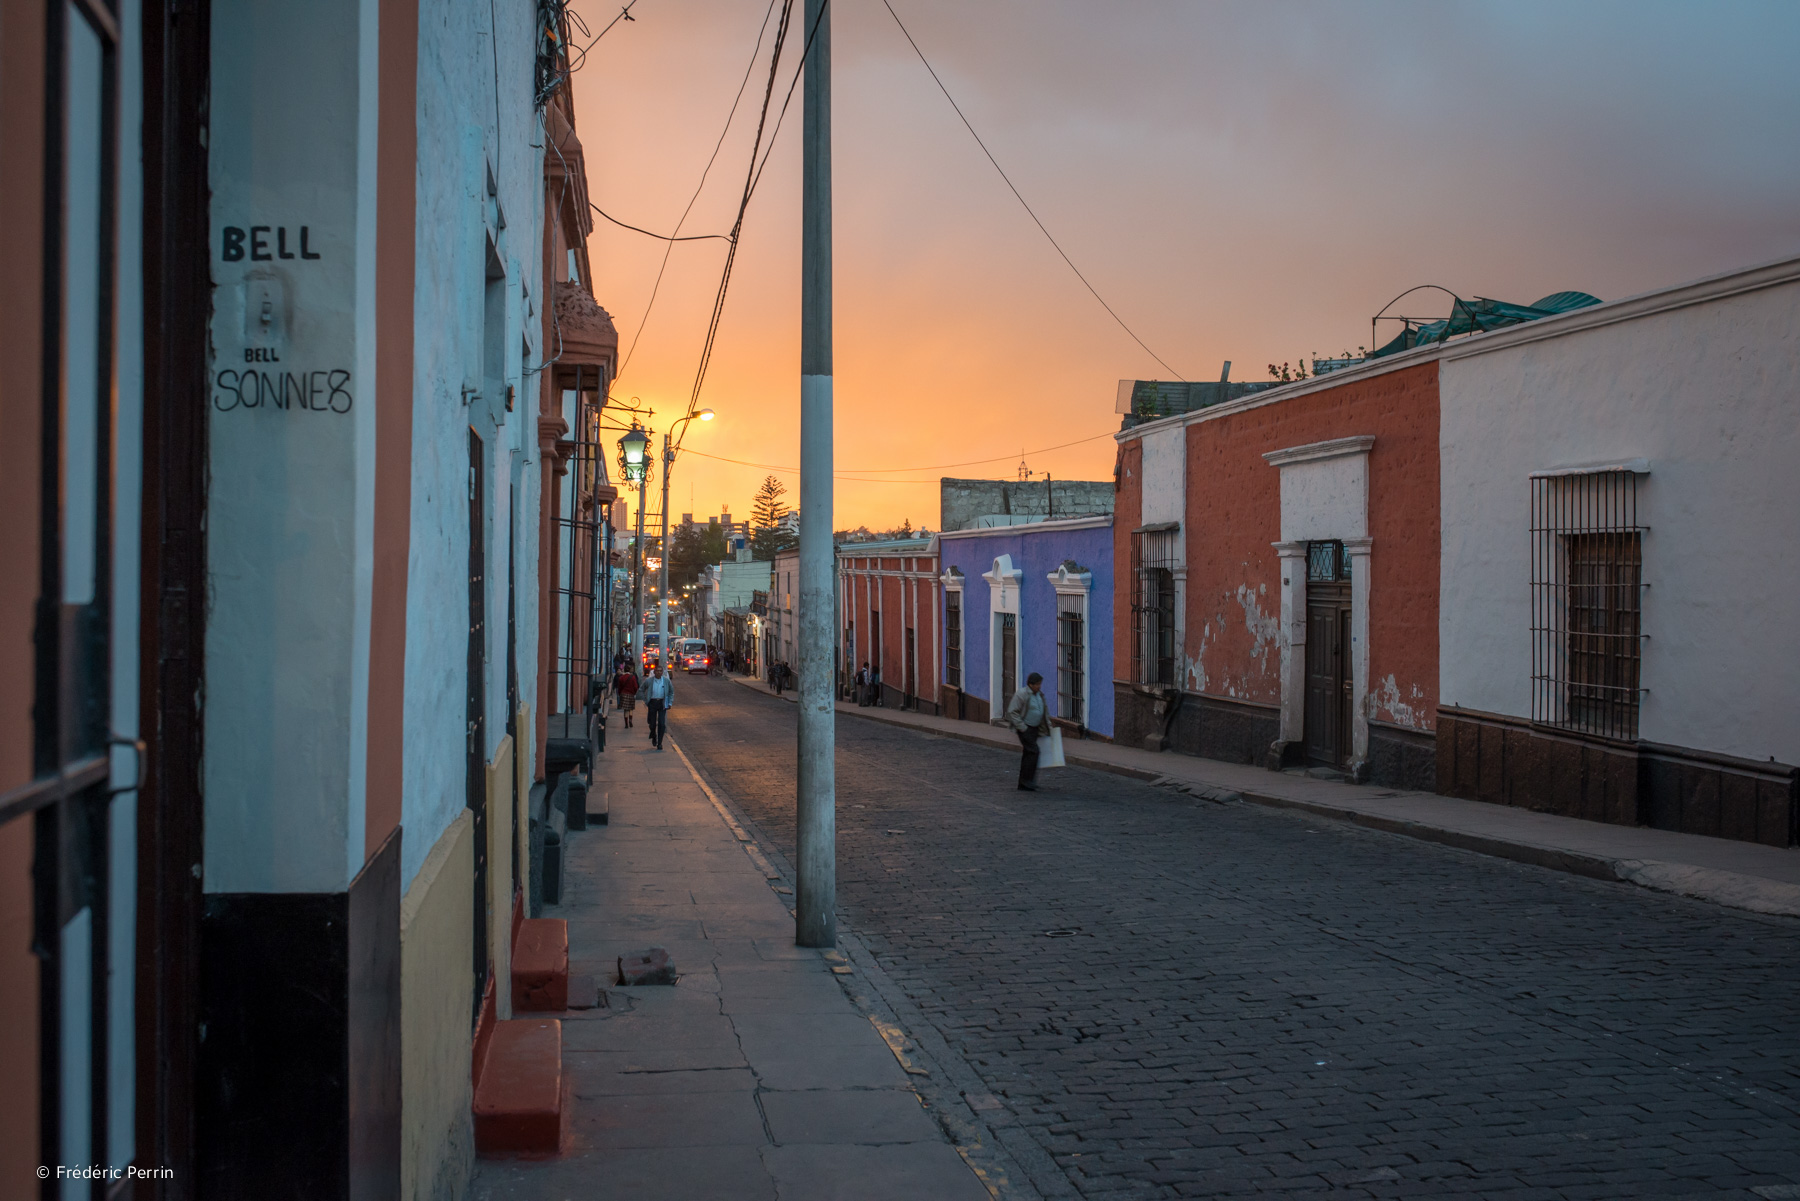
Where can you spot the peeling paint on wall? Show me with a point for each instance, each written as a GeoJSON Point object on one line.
{"type": "Point", "coordinates": [1196, 668]}
{"type": "Point", "coordinates": [1265, 629]}
{"type": "Point", "coordinates": [1385, 703]}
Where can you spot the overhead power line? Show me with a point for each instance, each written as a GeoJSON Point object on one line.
{"type": "Point", "coordinates": [850, 472]}
{"type": "Point", "coordinates": [755, 174]}
{"type": "Point", "coordinates": [659, 237]}
{"type": "Point", "coordinates": [1021, 199]}
{"type": "Point", "coordinates": [755, 53]}
{"type": "Point", "coordinates": [737, 226]}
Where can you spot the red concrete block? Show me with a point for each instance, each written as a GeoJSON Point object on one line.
{"type": "Point", "coordinates": [518, 1103]}
{"type": "Point", "coordinates": [540, 966]}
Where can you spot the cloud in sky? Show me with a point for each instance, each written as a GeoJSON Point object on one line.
{"type": "Point", "coordinates": [1243, 181]}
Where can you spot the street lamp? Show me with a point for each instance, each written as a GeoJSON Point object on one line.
{"type": "Point", "coordinates": [662, 608]}
{"type": "Point", "coordinates": [633, 448]}
{"type": "Point", "coordinates": [633, 466]}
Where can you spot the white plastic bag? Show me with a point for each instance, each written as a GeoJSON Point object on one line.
{"type": "Point", "coordinates": [1052, 755]}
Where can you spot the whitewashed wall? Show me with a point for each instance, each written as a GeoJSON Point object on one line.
{"type": "Point", "coordinates": [1165, 474]}
{"type": "Point", "coordinates": [1703, 381]}
{"type": "Point", "coordinates": [290, 503]}
{"type": "Point", "coordinates": [461, 64]}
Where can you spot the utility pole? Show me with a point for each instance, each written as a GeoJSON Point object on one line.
{"type": "Point", "coordinates": [815, 914]}
{"type": "Point", "coordinates": [662, 608]}
{"type": "Point", "coordinates": [637, 583]}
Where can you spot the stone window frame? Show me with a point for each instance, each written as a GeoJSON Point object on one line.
{"type": "Point", "coordinates": [953, 580]}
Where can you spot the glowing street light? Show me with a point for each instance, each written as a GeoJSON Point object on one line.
{"type": "Point", "coordinates": [633, 450]}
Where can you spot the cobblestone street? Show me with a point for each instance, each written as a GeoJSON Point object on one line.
{"type": "Point", "coordinates": [1172, 997]}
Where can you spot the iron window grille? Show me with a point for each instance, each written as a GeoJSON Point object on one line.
{"type": "Point", "coordinates": [1327, 562]}
{"type": "Point", "coordinates": [578, 532]}
{"type": "Point", "coordinates": [1587, 582]}
{"type": "Point", "coordinates": [1155, 630]}
{"type": "Point", "coordinates": [953, 631]}
{"type": "Point", "coordinates": [1071, 679]}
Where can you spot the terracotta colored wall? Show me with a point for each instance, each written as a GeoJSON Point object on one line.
{"type": "Point", "coordinates": [899, 603]}
{"type": "Point", "coordinates": [1127, 509]}
{"type": "Point", "coordinates": [21, 400]}
{"type": "Point", "coordinates": [395, 205]}
{"type": "Point", "coordinates": [1233, 514]}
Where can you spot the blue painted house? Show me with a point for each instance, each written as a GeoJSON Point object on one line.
{"type": "Point", "coordinates": [1025, 598]}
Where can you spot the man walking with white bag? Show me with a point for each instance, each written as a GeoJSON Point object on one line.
{"type": "Point", "coordinates": [1029, 717]}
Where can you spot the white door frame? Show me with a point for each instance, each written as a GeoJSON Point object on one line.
{"type": "Point", "coordinates": [1004, 586]}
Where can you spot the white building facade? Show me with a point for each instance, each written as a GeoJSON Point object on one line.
{"type": "Point", "coordinates": [1620, 616]}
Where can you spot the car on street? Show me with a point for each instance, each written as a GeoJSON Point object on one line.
{"type": "Point", "coordinates": [691, 655]}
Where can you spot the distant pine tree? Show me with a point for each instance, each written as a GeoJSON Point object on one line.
{"type": "Point", "coordinates": [767, 510]}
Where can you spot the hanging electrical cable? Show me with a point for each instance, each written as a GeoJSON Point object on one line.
{"type": "Point", "coordinates": [1021, 199]}
{"type": "Point", "coordinates": [731, 116]}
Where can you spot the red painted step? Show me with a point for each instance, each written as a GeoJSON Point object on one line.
{"type": "Point", "coordinates": [540, 966]}
{"type": "Point", "coordinates": [519, 1093]}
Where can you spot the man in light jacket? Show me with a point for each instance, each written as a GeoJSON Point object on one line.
{"type": "Point", "coordinates": [1029, 716]}
{"type": "Point", "coordinates": [659, 697]}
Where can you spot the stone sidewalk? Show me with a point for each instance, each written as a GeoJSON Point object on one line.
{"type": "Point", "coordinates": [1739, 874]}
{"type": "Point", "coordinates": [753, 1077]}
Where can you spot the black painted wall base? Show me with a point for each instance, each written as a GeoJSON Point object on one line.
{"type": "Point", "coordinates": [953, 702]}
{"type": "Point", "coordinates": [1208, 726]}
{"type": "Point", "coordinates": [1244, 732]}
{"type": "Point", "coordinates": [1510, 761]}
{"type": "Point", "coordinates": [1402, 758]}
{"type": "Point", "coordinates": [299, 1066]}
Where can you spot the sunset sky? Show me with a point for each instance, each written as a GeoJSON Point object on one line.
{"type": "Point", "coordinates": [1245, 181]}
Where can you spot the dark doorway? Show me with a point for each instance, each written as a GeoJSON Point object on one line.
{"type": "Point", "coordinates": [911, 699]}
{"type": "Point", "coordinates": [476, 710]}
{"type": "Point", "coordinates": [1328, 682]}
{"type": "Point", "coordinates": [172, 611]}
{"type": "Point", "coordinates": [1009, 659]}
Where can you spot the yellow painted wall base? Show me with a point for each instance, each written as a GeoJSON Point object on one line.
{"type": "Point", "coordinates": [500, 873]}
{"type": "Point", "coordinates": [436, 1019]}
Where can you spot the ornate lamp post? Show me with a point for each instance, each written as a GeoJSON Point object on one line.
{"type": "Point", "coordinates": [634, 465]}
{"type": "Point", "coordinates": [662, 619]}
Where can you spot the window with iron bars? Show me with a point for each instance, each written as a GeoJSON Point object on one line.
{"type": "Point", "coordinates": [1155, 628]}
{"type": "Point", "coordinates": [1587, 581]}
{"type": "Point", "coordinates": [1071, 675]}
{"type": "Point", "coordinates": [953, 631]}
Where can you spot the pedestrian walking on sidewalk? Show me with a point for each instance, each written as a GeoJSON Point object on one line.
{"type": "Point", "coordinates": [1029, 717]}
{"type": "Point", "coordinates": [659, 698]}
{"type": "Point", "coordinates": [862, 685]}
{"type": "Point", "coordinates": [875, 687]}
{"type": "Point", "coordinates": [625, 690]}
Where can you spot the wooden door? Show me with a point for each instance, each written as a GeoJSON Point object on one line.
{"type": "Point", "coordinates": [911, 700]}
{"type": "Point", "coordinates": [1327, 674]}
{"type": "Point", "coordinates": [1009, 658]}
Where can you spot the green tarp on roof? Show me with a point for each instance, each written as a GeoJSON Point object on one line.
{"type": "Point", "coordinates": [1481, 314]}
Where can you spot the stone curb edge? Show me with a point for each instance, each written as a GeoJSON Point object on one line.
{"type": "Point", "coordinates": [1731, 889]}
